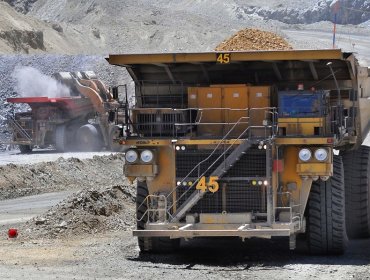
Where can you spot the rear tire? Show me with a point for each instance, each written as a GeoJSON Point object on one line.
{"type": "Point", "coordinates": [61, 138]}
{"type": "Point", "coordinates": [25, 149]}
{"type": "Point", "coordinates": [357, 191]}
{"type": "Point", "coordinates": [89, 138]}
{"type": "Point", "coordinates": [159, 245]}
{"type": "Point", "coordinates": [326, 214]}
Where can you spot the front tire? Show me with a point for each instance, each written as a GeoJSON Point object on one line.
{"type": "Point", "coordinates": [25, 149]}
{"type": "Point", "coordinates": [159, 245]}
{"type": "Point", "coordinates": [326, 214]}
{"type": "Point", "coordinates": [357, 191]}
{"type": "Point", "coordinates": [89, 138]}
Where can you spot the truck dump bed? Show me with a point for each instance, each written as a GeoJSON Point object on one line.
{"type": "Point", "coordinates": [71, 106]}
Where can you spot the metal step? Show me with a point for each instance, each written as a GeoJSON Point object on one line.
{"type": "Point", "coordinates": [220, 171]}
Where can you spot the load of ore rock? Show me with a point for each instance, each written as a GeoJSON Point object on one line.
{"type": "Point", "coordinates": [254, 39]}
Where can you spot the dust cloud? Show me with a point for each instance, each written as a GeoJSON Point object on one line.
{"type": "Point", "coordinates": [30, 82]}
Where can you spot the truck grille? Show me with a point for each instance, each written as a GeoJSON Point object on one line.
{"type": "Point", "coordinates": [237, 192]}
{"type": "Point", "coordinates": [159, 124]}
{"type": "Point", "coordinates": [239, 196]}
{"type": "Point", "coordinates": [251, 164]}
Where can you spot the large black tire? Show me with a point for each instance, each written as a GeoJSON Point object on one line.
{"type": "Point", "coordinates": [357, 191]}
{"type": "Point", "coordinates": [159, 245]}
{"type": "Point", "coordinates": [89, 138]}
{"type": "Point", "coordinates": [61, 138]}
{"type": "Point", "coordinates": [326, 230]}
{"type": "Point", "coordinates": [25, 149]}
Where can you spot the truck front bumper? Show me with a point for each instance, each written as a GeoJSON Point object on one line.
{"type": "Point", "coordinates": [216, 230]}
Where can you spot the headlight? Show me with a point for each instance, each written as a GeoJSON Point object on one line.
{"type": "Point", "coordinates": [146, 156]}
{"type": "Point", "coordinates": [131, 156]}
{"type": "Point", "coordinates": [305, 154]}
{"type": "Point", "coordinates": [321, 154]}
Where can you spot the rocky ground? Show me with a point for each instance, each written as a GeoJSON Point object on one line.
{"type": "Point", "coordinates": [88, 211]}
{"type": "Point", "coordinates": [62, 174]}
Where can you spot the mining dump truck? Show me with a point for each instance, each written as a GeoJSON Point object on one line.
{"type": "Point", "coordinates": [249, 144]}
{"type": "Point", "coordinates": [88, 120]}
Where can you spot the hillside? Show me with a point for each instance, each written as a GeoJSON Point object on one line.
{"type": "Point", "coordinates": [101, 27]}
{"type": "Point", "coordinates": [71, 35]}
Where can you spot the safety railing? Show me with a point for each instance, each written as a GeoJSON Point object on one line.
{"type": "Point", "coordinates": [18, 128]}
{"type": "Point", "coordinates": [244, 135]}
{"type": "Point", "coordinates": [200, 122]}
{"type": "Point", "coordinates": [286, 204]}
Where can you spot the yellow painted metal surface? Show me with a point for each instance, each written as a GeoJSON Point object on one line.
{"type": "Point", "coordinates": [235, 98]}
{"type": "Point", "coordinates": [303, 141]}
{"type": "Point", "coordinates": [225, 218]}
{"type": "Point", "coordinates": [165, 180]}
{"type": "Point", "coordinates": [209, 97]}
{"type": "Point", "coordinates": [146, 142]}
{"type": "Point", "coordinates": [301, 126]}
{"type": "Point", "coordinates": [192, 97]}
{"type": "Point", "coordinates": [290, 174]}
{"type": "Point", "coordinates": [139, 170]}
{"type": "Point", "coordinates": [322, 169]}
{"type": "Point", "coordinates": [129, 59]}
{"type": "Point", "coordinates": [207, 141]}
{"type": "Point", "coordinates": [259, 97]}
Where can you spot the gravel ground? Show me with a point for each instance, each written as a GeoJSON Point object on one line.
{"type": "Point", "coordinates": [115, 255]}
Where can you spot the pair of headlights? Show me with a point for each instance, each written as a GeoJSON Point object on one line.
{"type": "Point", "coordinates": [320, 154]}
{"type": "Point", "coordinates": [146, 156]}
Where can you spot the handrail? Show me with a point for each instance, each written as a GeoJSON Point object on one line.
{"type": "Point", "coordinates": [214, 150]}
{"type": "Point", "coordinates": [15, 125]}
{"type": "Point", "coordinates": [195, 167]}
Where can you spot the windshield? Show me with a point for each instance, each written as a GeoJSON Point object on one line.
{"type": "Point", "coordinates": [300, 104]}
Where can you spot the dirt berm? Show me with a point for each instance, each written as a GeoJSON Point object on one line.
{"type": "Point", "coordinates": [62, 174]}
{"type": "Point", "coordinates": [89, 211]}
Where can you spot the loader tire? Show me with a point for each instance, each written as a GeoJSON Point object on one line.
{"type": "Point", "coordinates": [25, 149]}
{"type": "Point", "coordinates": [157, 245]}
{"type": "Point", "coordinates": [61, 138]}
{"type": "Point", "coordinates": [357, 191]}
{"type": "Point", "coordinates": [326, 230]}
{"type": "Point", "coordinates": [89, 138]}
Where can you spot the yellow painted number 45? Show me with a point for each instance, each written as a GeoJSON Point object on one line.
{"type": "Point", "coordinates": [211, 186]}
{"type": "Point", "coordinates": [223, 58]}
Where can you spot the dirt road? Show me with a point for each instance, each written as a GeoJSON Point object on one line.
{"type": "Point", "coordinates": [14, 211]}
{"type": "Point", "coordinates": [116, 256]}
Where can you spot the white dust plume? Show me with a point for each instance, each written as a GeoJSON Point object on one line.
{"type": "Point", "coordinates": [30, 82]}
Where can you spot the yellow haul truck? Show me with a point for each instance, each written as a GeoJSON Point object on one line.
{"type": "Point", "coordinates": [242, 144]}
